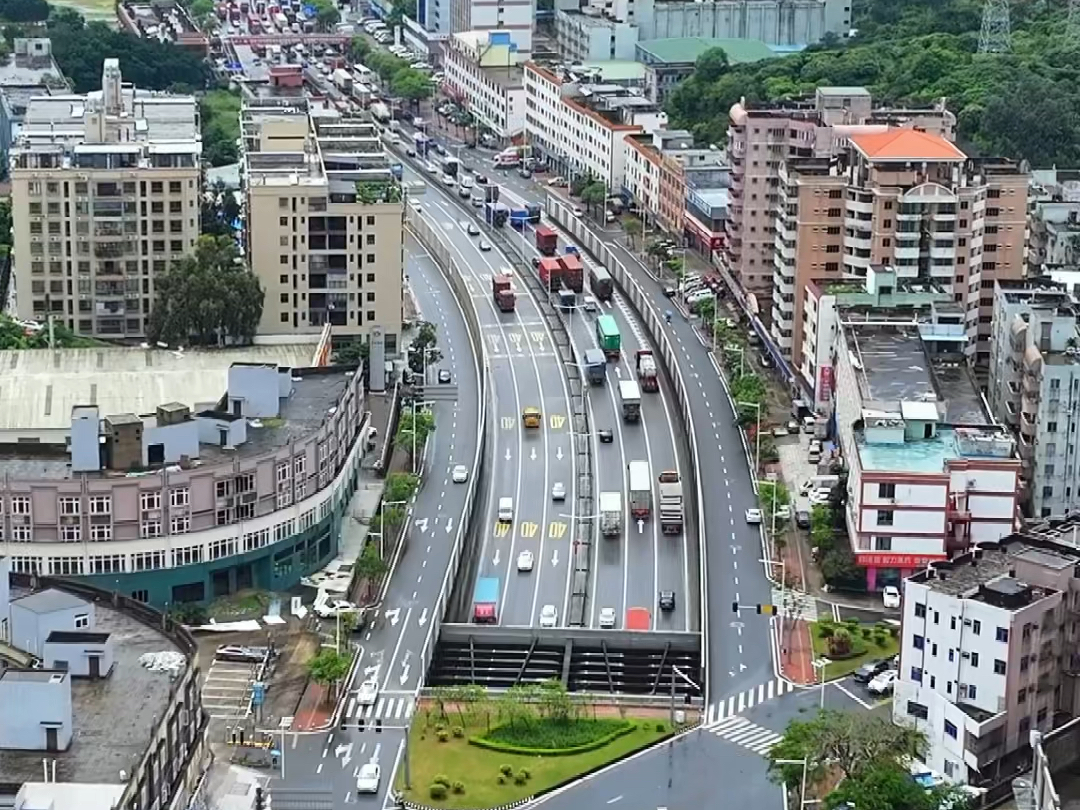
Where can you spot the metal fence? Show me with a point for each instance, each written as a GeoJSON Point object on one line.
{"type": "Point", "coordinates": [653, 323]}
{"type": "Point", "coordinates": [455, 277]}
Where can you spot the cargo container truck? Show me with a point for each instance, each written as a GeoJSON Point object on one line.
{"type": "Point", "coordinates": [671, 502]}
{"type": "Point", "coordinates": [646, 371]}
{"type": "Point", "coordinates": [573, 272]}
{"type": "Point", "coordinates": [486, 601]}
{"type": "Point", "coordinates": [630, 400]}
{"type": "Point", "coordinates": [502, 291]}
{"type": "Point", "coordinates": [547, 241]}
{"type": "Point", "coordinates": [608, 337]}
{"type": "Point", "coordinates": [640, 488]}
{"type": "Point", "coordinates": [595, 366]}
{"type": "Point", "coordinates": [611, 514]}
{"type": "Point", "coordinates": [495, 214]}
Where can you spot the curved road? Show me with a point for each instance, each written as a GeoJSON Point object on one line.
{"type": "Point", "coordinates": [525, 371]}
{"type": "Point", "coordinates": [632, 571]}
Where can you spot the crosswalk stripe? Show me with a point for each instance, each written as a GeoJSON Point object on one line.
{"type": "Point", "coordinates": [378, 709]}
{"type": "Point", "coordinates": [352, 705]}
{"type": "Point", "coordinates": [742, 701]}
{"type": "Point", "coordinates": [754, 696]}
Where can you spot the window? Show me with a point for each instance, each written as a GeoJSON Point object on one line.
{"type": "Point", "coordinates": [223, 488]}
{"type": "Point", "coordinates": [999, 666]}
{"type": "Point", "coordinates": [179, 524]}
{"type": "Point", "coordinates": [886, 490]}
{"type": "Point", "coordinates": [20, 504]}
{"type": "Point", "coordinates": [179, 497]}
{"type": "Point", "coordinates": [283, 472]}
{"type": "Point", "coordinates": [916, 674]}
{"type": "Point", "coordinates": [151, 500]}
{"type": "Point", "coordinates": [151, 528]}
{"type": "Point", "coordinates": [71, 533]}
{"type": "Point", "coordinates": [950, 729]}
{"type": "Point", "coordinates": [100, 504]}
{"type": "Point", "coordinates": [1021, 696]}
{"type": "Point", "coordinates": [147, 560]}
{"type": "Point", "coordinates": [917, 642]}
{"type": "Point", "coordinates": [1003, 635]}
{"type": "Point", "coordinates": [917, 710]}
{"type": "Point", "coordinates": [82, 621]}
{"type": "Point", "coordinates": [974, 659]}
{"type": "Point", "coordinates": [20, 534]}
{"type": "Point", "coordinates": [976, 626]}
{"type": "Point", "coordinates": [920, 610]}
{"type": "Point", "coordinates": [952, 655]}
{"type": "Point", "coordinates": [1041, 715]}
{"type": "Point", "coordinates": [885, 517]}
{"type": "Point", "coordinates": [101, 532]}
{"type": "Point", "coordinates": [70, 506]}
{"type": "Point", "coordinates": [883, 543]}
{"type": "Point", "coordinates": [971, 691]}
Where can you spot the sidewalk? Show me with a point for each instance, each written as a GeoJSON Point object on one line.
{"type": "Point", "coordinates": [797, 653]}
{"type": "Point", "coordinates": [315, 711]}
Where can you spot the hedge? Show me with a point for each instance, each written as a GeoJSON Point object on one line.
{"type": "Point", "coordinates": [491, 745]}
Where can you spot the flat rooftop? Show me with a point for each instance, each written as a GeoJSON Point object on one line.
{"type": "Point", "coordinates": [113, 718]}
{"type": "Point", "coordinates": [38, 388]}
{"type": "Point", "coordinates": [920, 456]}
{"type": "Point", "coordinates": [157, 118]}
{"type": "Point", "coordinates": [893, 366]}
{"type": "Point", "coordinates": [686, 50]}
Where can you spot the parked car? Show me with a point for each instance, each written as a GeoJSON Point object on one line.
{"type": "Point", "coordinates": [753, 516]}
{"type": "Point", "coordinates": [335, 607]}
{"type": "Point", "coordinates": [883, 683]}
{"type": "Point", "coordinates": [239, 654]}
{"type": "Point", "coordinates": [870, 670]}
{"type": "Point", "coordinates": [802, 519]}
{"type": "Point", "coordinates": [890, 596]}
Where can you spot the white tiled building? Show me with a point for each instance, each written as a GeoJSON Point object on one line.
{"type": "Point", "coordinates": [578, 118]}
{"type": "Point", "coordinates": [483, 71]}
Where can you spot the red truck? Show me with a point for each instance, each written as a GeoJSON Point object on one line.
{"type": "Point", "coordinates": [573, 272]}
{"type": "Point", "coordinates": [547, 241]}
{"type": "Point", "coordinates": [502, 291]}
{"type": "Point", "coordinates": [637, 618]}
{"type": "Point", "coordinates": [646, 371]}
{"type": "Point", "coordinates": [551, 273]}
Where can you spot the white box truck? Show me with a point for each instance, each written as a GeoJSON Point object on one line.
{"type": "Point", "coordinates": [611, 514]}
{"type": "Point", "coordinates": [640, 487]}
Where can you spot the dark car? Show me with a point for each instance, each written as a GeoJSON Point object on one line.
{"type": "Point", "coordinates": [870, 670]}
{"type": "Point", "coordinates": [667, 601]}
{"type": "Point", "coordinates": [802, 519]}
{"type": "Point", "coordinates": [669, 291]}
{"type": "Point", "coordinates": [606, 436]}
{"type": "Point", "coordinates": [481, 180]}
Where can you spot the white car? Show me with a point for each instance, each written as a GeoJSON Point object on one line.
{"type": "Point", "coordinates": [525, 561]}
{"type": "Point", "coordinates": [334, 607]}
{"type": "Point", "coordinates": [590, 304]}
{"type": "Point", "coordinates": [460, 474]}
{"type": "Point", "coordinates": [579, 212]}
{"type": "Point", "coordinates": [607, 618]}
{"type": "Point", "coordinates": [558, 491]}
{"type": "Point", "coordinates": [753, 516]}
{"type": "Point", "coordinates": [549, 616]}
{"type": "Point", "coordinates": [367, 693]}
{"type": "Point", "coordinates": [367, 781]}
{"type": "Point", "coordinates": [820, 497]}
{"type": "Point", "coordinates": [485, 246]}
{"type": "Point", "coordinates": [415, 205]}
{"type": "Point", "coordinates": [891, 596]}
{"type": "Point", "coordinates": [783, 512]}
{"type": "Point", "coordinates": [883, 684]}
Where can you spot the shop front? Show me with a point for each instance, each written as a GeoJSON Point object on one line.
{"type": "Point", "coordinates": [883, 569]}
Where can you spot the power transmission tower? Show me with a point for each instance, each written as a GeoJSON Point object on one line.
{"type": "Point", "coordinates": [995, 35]}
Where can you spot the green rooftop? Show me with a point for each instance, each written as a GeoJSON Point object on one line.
{"type": "Point", "coordinates": [688, 49]}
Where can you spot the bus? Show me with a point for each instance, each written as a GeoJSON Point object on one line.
{"type": "Point", "coordinates": [600, 281]}
{"type": "Point", "coordinates": [450, 166]}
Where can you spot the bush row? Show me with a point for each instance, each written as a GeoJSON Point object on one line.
{"type": "Point", "coordinates": [494, 745]}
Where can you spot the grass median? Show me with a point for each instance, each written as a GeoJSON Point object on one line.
{"type": "Point", "coordinates": [490, 778]}
{"type": "Point", "coordinates": [867, 642]}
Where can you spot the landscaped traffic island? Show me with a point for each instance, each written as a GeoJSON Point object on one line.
{"type": "Point", "coordinates": [486, 753]}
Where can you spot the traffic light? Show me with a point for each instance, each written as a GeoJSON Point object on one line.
{"type": "Point", "coordinates": [378, 725]}
{"type": "Point", "coordinates": [767, 610]}
{"type": "Point", "coordinates": [260, 799]}
{"type": "Point", "coordinates": [344, 722]}
{"type": "Point", "coordinates": [734, 607]}
{"type": "Point", "coordinates": [360, 723]}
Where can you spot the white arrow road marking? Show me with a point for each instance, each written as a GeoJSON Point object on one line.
{"type": "Point", "coordinates": [421, 524]}
{"type": "Point", "coordinates": [345, 749]}
{"type": "Point", "coordinates": [393, 616]}
{"type": "Point", "coordinates": [640, 526]}
{"type": "Point", "coordinates": [558, 453]}
{"type": "Point", "coordinates": [742, 666]}
{"type": "Point", "coordinates": [371, 672]}
{"type": "Point", "coordinates": [375, 753]}
{"type": "Point", "coordinates": [496, 560]}
{"type": "Point", "coordinates": [449, 525]}
{"type": "Point", "coordinates": [532, 455]}
{"type": "Point", "coordinates": [423, 618]}
{"type": "Point", "coordinates": [555, 557]}
{"type": "Point", "coordinates": [618, 371]}
{"type": "Point", "coordinates": [404, 674]}
{"type": "Point", "coordinates": [507, 453]}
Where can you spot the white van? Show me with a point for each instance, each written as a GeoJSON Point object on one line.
{"type": "Point", "coordinates": [506, 510]}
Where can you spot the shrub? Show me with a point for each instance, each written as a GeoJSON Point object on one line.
{"type": "Point", "coordinates": [866, 631]}
{"type": "Point", "coordinates": [444, 736]}
{"type": "Point", "coordinates": [442, 779]}
{"type": "Point", "coordinates": [826, 630]}
{"type": "Point", "coordinates": [881, 638]}
{"type": "Point", "coordinates": [506, 770]}
{"type": "Point", "coordinates": [439, 727]}
{"type": "Point", "coordinates": [548, 733]}
{"type": "Point", "coordinates": [527, 772]}
{"type": "Point", "coordinates": [527, 750]}
{"type": "Point", "coordinates": [894, 632]}
{"type": "Point", "coordinates": [458, 787]}
{"type": "Point", "coordinates": [501, 780]}
{"type": "Point", "coordinates": [458, 731]}
{"type": "Point", "coordinates": [661, 727]}
{"type": "Point", "coordinates": [437, 791]}
{"type": "Point", "coordinates": [840, 643]}
{"type": "Point", "coordinates": [522, 777]}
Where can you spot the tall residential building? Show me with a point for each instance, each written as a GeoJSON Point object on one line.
{"type": "Point", "coordinates": [906, 199]}
{"type": "Point", "coordinates": [1034, 388]}
{"type": "Point", "coordinates": [516, 17]}
{"type": "Point", "coordinates": [988, 651]}
{"type": "Point", "coordinates": [483, 73]}
{"type": "Point", "coordinates": [761, 138]}
{"type": "Point", "coordinates": [325, 217]}
{"type": "Point", "coordinates": [105, 196]}
{"type": "Point", "coordinates": [1054, 208]}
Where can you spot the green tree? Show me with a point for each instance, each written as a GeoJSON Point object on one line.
{"type": "Point", "coordinates": [555, 702]}
{"type": "Point", "coordinates": [413, 431]}
{"type": "Point", "coordinates": [326, 14]}
{"type": "Point", "coordinates": [353, 353]}
{"type": "Point", "coordinates": [400, 10]}
{"type": "Point", "coordinates": [327, 669]}
{"type": "Point", "coordinates": [889, 786]}
{"type": "Point", "coordinates": [400, 486]}
{"type": "Point", "coordinates": [413, 85]}
{"type": "Point", "coordinates": [209, 298]}
{"type": "Point", "coordinates": [594, 195]}
{"type": "Point", "coordinates": [423, 351]}
{"type": "Point", "coordinates": [202, 11]}
{"type": "Point", "coordinates": [359, 50]}
{"type": "Point", "coordinates": [220, 114]}
{"type": "Point", "coordinates": [370, 566]}
{"type": "Point", "coordinates": [219, 211]}
{"type": "Point", "coordinates": [772, 493]}
{"type": "Point", "coordinates": [711, 65]}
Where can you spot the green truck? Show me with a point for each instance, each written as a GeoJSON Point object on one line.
{"type": "Point", "coordinates": [608, 337]}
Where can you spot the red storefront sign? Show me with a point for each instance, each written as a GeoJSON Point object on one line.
{"type": "Point", "coordinates": [876, 560]}
{"type": "Point", "coordinates": [825, 383]}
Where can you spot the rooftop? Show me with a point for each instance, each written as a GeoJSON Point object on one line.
{"type": "Point", "coordinates": [113, 717]}
{"type": "Point", "coordinates": [892, 366]}
{"type": "Point", "coordinates": [679, 50]}
{"type": "Point", "coordinates": [49, 600]}
{"type": "Point", "coordinates": [927, 455]}
{"type": "Point", "coordinates": [902, 144]}
{"type": "Point", "coordinates": [29, 65]}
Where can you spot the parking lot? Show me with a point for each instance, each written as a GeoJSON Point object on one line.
{"type": "Point", "coordinates": [226, 691]}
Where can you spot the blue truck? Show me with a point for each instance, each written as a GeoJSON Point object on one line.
{"type": "Point", "coordinates": [396, 170]}
{"type": "Point", "coordinates": [519, 218]}
{"type": "Point", "coordinates": [486, 600]}
{"type": "Point", "coordinates": [496, 214]}
{"type": "Point", "coordinates": [595, 366]}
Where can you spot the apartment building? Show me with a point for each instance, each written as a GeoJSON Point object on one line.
{"type": "Point", "coordinates": [1034, 388]}
{"type": "Point", "coordinates": [988, 651]}
{"type": "Point", "coordinates": [669, 62]}
{"type": "Point", "coordinates": [929, 474]}
{"type": "Point", "coordinates": [105, 197]}
{"type": "Point", "coordinates": [483, 72]}
{"type": "Point", "coordinates": [1054, 218]}
{"type": "Point", "coordinates": [761, 138]}
{"type": "Point", "coordinates": [515, 17]}
{"type": "Point", "coordinates": [578, 116]}
{"type": "Point", "coordinates": [325, 218]}
{"type": "Point", "coordinates": [882, 296]}
{"type": "Point", "coordinates": [903, 198]}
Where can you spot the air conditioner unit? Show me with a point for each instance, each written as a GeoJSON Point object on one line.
{"type": "Point", "coordinates": [967, 622]}
{"type": "Point", "coordinates": [965, 654]}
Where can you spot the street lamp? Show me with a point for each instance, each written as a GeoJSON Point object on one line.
{"type": "Point", "coordinates": [819, 665]}
{"type": "Point", "coordinates": [757, 434]}
{"type": "Point", "coordinates": [730, 347]}
{"type": "Point", "coordinates": [802, 791]}
{"type": "Point", "coordinates": [379, 533]}
{"type": "Point", "coordinates": [425, 353]}
{"type": "Point", "coordinates": [675, 671]}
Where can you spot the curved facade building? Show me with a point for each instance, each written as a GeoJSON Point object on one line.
{"type": "Point", "coordinates": [195, 501]}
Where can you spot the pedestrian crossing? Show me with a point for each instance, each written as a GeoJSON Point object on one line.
{"type": "Point", "coordinates": [750, 736]}
{"type": "Point", "coordinates": [737, 704]}
{"type": "Point", "coordinates": [795, 604]}
{"type": "Point", "coordinates": [387, 709]}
